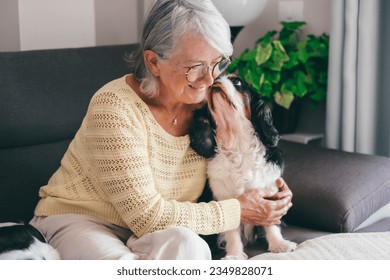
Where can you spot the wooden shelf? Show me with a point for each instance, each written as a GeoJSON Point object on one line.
{"type": "Point", "coordinates": [301, 137]}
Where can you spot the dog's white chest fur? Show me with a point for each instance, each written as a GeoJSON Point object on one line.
{"type": "Point", "coordinates": [240, 168]}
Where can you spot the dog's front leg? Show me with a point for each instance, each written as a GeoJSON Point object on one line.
{"type": "Point", "coordinates": [234, 247]}
{"type": "Point", "coordinates": [276, 242]}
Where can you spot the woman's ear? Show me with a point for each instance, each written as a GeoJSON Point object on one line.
{"type": "Point", "coordinates": [151, 60]}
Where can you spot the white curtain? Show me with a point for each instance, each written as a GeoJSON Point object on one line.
{"type": "Point", "coordinates": [353, 101]}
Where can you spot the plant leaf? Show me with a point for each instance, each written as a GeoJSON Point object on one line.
{"type": "Point", "coordinates": [289, 86]}
{"type": "Point", "coordinates": [248, 55]}
{"type": "Point", "coordinates": [293, 61]}
{"type": "Point", "coordinates": [251, 79]}
{"type": "Point", "coordinates": [273, 76]}
{"type": "Point", "coordinates": [284, 99]}
{"type": "Point", "coordinates": [267, 90]}
{"type": "Point", "coordinates": [292, 25]}
{"type": "Point", "coordinates": [267, 38]}
{"type": "Point", "coordinates": [301, 84]}
{"type": "Point", "coordinates": [319, 95]}
{"type": "Point", "coordinates": [278, 57]}
{"type": "Point", "coordinates": [282, 65]}
{"type": "Point", "coordinates": [278, 46]}
{"type": "Point", "coordinates": [263, 53]}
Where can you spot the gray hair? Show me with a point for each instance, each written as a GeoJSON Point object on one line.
{"type": "Point", "coordinates": [167, 23]}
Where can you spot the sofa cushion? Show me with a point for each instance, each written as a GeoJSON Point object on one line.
{"type": "Point", "coordinates": [334, 191]}
{"type": "Point", "coordinates": [44, 94]}
{"type": "Point", "coordinates": [342, 246]}
{"type": "Point", "coordinates": [23, 171]}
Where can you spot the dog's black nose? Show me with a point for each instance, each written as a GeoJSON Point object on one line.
{"type": "Point", "coordinates": [216, 87]}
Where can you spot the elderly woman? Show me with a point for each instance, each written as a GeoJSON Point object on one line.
{"type": "Point", "coordinates": [129, 183]}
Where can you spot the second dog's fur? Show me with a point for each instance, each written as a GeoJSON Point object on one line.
{"type": "Point", "coordinates": [24, 242]}
{"type": "Point", "coordinates": [235, 132]}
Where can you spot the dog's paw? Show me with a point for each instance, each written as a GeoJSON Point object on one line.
{"type": "Point", "coordinates": [242, 256]}
{"type": "Point", "coordinates": [282, 246]}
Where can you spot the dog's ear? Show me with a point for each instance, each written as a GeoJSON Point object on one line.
{"type": "Point", "coordinates": [262, 121]}
{"type": "Point", "coordinates": [202, 133]}
{"type": "Point", "coordinates": [261, 118]}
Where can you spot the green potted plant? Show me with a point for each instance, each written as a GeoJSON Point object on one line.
{"type": "Point", "coordinates": [283, 67]}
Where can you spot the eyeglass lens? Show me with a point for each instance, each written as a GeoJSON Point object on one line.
{"type": "Point", "coordinates": [198, 72]}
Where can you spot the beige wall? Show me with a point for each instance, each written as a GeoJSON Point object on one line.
{"type": "Point", "coordinates": [50, 24]}
{"type": "Point", "coordinates": [118, 22]}
{"type": "Point", "coordinates": [9, 25]}
{"type": "Point", "coordinates": [316, 14]}
{"type": "Point", "coordinates": [43, 24]}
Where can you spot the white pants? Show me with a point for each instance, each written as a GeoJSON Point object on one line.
{"type": "Point", "coordinates": [84, 237]}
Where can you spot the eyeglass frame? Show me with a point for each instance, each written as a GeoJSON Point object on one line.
{"type": "Point", "coordinates": [228, 61]}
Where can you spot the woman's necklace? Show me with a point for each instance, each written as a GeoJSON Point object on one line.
{"type": "Point", "coordinates": [174, 117]}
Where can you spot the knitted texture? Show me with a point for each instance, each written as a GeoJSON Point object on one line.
{"type": "Point", "coordinates": [124, 168]}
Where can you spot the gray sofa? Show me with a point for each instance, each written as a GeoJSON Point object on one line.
{"type": "Point", "coordinates": [44, 95]}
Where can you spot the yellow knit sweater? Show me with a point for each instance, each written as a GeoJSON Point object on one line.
{"type": "Point", "coordinates": [124, 168]}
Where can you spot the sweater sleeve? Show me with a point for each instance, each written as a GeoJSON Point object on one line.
{"type": "Point", "coordinates": [117, 142]}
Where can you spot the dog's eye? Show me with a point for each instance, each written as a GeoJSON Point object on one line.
{"type": "Point", "coordinates": [237, 82]}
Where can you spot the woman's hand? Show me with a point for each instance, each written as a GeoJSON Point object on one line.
{"type": "Point", "coordinates": [284, 191]}
{"type": "Point", "coordinates": [263, 207]}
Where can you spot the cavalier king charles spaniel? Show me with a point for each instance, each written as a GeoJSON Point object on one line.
{"type": "Point", "coordinates": [24, 242]}
{"type": "Point", "coordinates": [235, 132]}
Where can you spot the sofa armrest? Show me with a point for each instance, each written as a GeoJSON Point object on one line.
{"type": "Point", "coordinates": [334, 190]}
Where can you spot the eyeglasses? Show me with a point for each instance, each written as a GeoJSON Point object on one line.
{"type": "Point", "coordinates": [198, 72]}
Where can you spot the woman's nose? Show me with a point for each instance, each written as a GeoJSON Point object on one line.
{"type": "Point", "coordinates": [208, 78]}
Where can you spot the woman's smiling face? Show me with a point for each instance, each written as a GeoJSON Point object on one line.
{"type": "Point", "coordinates": [173, 82]}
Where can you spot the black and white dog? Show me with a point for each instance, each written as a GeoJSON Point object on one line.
{"type": "Point", "coordinates": [24, 242]}
{"type": "Point", "coordinates": [236, 133]}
